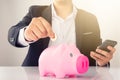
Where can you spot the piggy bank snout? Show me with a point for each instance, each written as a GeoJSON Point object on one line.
{"type": "Point", "coordinates": [82, 64]}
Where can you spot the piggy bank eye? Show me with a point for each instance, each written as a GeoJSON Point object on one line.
{"type": "Point", "coordinates": [71, 55]}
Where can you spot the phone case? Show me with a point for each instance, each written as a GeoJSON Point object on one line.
{"type": "Point", "coordinates": [106, 43]}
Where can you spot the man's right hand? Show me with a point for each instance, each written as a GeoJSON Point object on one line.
{"type": "Point", "coordinates": [37, 29]}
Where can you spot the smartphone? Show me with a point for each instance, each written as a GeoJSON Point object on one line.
{"type": "Point", "coordinates": [106, 43]}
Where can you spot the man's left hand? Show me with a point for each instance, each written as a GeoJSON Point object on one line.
{"type": "Point", "coordinates": [102, 57]}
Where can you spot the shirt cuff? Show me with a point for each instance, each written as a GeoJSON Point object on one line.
{"type": "Point", "coordinates": [106, 65]}
{"type": "Point", "coordinates": [21, 38]}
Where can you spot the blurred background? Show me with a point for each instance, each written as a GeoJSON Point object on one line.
{"type": "Point", "coordinates": [12, 11]}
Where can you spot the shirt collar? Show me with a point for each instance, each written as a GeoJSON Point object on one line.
{"type": "Point", "coordinates": [72, 14]}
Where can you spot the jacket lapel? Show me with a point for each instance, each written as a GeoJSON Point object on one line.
{"type": "Point", "coordinates": [79, 30]}
{"type": "Point", "coordinates": [47, 14]}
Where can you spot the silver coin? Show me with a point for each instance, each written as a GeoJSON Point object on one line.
{"type": "Point", "coordinates": [53, 39]}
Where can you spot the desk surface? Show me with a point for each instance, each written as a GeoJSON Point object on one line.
{"type": "Point", "coordinates": [32, 73]}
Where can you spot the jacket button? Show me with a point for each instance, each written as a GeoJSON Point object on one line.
{"type": "Point", "coordinates": [11, 39]}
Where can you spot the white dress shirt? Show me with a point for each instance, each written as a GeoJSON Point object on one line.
{"type": "Point", "coordinates": [63, 28]}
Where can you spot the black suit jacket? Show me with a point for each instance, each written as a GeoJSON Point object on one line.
{"type": "Point", "coordinates": [87, 34]}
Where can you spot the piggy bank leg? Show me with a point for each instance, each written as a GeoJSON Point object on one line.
{"type": "Point", "coordinates": [59, 74]}
{"type": "Point", "coordinates": [70, 76]}
{"type": "Point", "coordinates": [43, 73]}
{"type": "Point", "coordinates": [46, 73]}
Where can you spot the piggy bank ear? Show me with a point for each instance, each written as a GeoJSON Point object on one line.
{"type": "Point", "coordinates": [61, 47]}
{"type": "Point", "coordinates": [72, 45]}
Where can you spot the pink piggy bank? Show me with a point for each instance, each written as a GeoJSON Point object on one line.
{"type": "Point", "coordinates": [63, 60]}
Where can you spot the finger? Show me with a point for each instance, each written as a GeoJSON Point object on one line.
{"type": "Point", "coordinates": [102, 52]}
{"type": "Point", "coordinates": [41, 27]}
{"type": "Point", "coordinates": [112, 49]}
{"type": "Point", "coordinates": [106, 56]}
{"type": "Point", "coordinates": [92, 55]}
{"type": "Point", "coordinates": [47, 27]}
{"type": "Point", "coordinates": [97, 56]}
{"type": "Point", "coordinates": [30, 36]}
{"type": "Point", "coordinates": [37, 32]}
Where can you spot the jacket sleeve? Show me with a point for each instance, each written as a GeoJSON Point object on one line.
{"type": "Point", "coordinates": [14, 30]}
